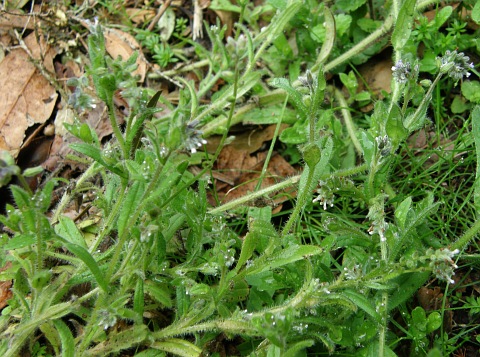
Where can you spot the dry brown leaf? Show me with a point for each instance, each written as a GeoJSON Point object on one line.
{"type": "Point", "coordinates": [26, 97]}
{"type": "Point", "coordinates": [250, 141]}
{"type": "Point", "coordinates": [244, 170]}
{"type": "Point", "coordinates": [16, 19]}
{"type": "Point", "coordinates": [5, 292]}
{"type": "Point", "coordinates": [226, 17]}
{"type": "Point", "coordinates": [119, 43]}
{"type": "Point", "coordinates": [140, 16]}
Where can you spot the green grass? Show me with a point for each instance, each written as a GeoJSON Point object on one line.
{"type": "Point", "coordinates": [153, 270]}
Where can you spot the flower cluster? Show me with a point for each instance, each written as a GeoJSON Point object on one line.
{"type": "Point", "coordinates": [325, 195]}
{"type": "Point", "coordinates": [376, 214]}
{"type": "Point", "coordinates": [456, 65]}
{"type": "Point", "coordinates": [403, 72]}
{"type": "Point", "coordinates": [194, 137]}
{"type": "Point", "coordinates": [442, 264]}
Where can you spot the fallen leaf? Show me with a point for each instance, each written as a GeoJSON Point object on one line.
{"type": "Point", "coordinates": [16, 19]}
{"type": "Point", "coordinates": [119, 43]}
{"type": "Point", "coordinates": [250, 141]}
{"type": "Point", "coordinates": [140, 16]}
{"type": "Point", "coordinates": [26, 97]}
{"type": "Point", "coordinates": [243, 169]}
{"type": "Point", "coordinates": [5, 292]}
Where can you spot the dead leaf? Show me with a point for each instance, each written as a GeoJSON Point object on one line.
{"type": "Point", "coordinates": [16, 19]}
{"type": "Point", "coordinates": [140, 16]}
{"type": "Point", "coordinates": [26, 97]}
{"type": "Point", "coordinates": [243, 169]}
{"type": "Point", "coordinates": [226, 17]}
{"type": "Point", "coordinates": [250, 141]}
{"type": "Point", "coordinates": [5, 292]}
{"type": "Point", "coordinates": [119, 43]}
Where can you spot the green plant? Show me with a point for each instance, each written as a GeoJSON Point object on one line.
{"type": "Point", "coordinates": [164, 273]}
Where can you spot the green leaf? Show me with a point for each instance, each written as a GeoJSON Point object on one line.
{"type": "Point", "coordinates": [476, 12]}
{"type": "Point", "coordinates": [394, 127]}
{"type": "Point", "coordinates": [349, 5]}
{"type": "Point", "coordinates": [83, 132]}
{"type": "Point", "coordinates": [342, 24]}
{"type": "Point", "coordinates": [21, 197]}
{"type": "Point", "coordinates": [118, 341]}
{"type": "Point", "coordinates": [368, 146]}
{"type": "Point", "coordinates": [401, 212]}
{"type": "Point", "coordinates": [459, 105]}
{"type": "Point", "coordinates": [282, 257]}
{"type": "Point", "coordinates": [268, 115]}
{"type": "Point", "coordinates": [371, 350]}
{"type": "Point", "coordinates": [20, 241]}
{"type": "Point", "coordinates": [329, 36]}
{"type": "Point", "coordinates": [178, 347]}
{"type": "Point", "coordinates": [441, 17]}
{"type": "Point", "coordinates": [434, 321]}
{"type": "Point", "coordinates": [297, 134]}
{"type": "Point", "coordinates": [471, 91]}
{"type": "Point", "coordinates": [248, 247]}
{"type": "Point", "coordinates": [408, 284]}
{"type": "Point", "coordinates": [293, 95]}
{"type": "Point", "coordinates": [88, 150]}
{"type": "Point", "coordinates": [33, 171]}
{"type": "Point", "coordinates": [363, 303]}
{"type": "Point", "coordinates": [139, 298]}
{"type": "Point", "coordinates": [419, 318]}
{"type": "Point", "coordinates": [403, 24]}
{"type": "Point", "coordinates": [90, 262]}
{"type": "Point", "coordinates": [158, 293]}
{"type": "Point", "coordinates": [66, 338]}
{"type": "Point", "coordinates": [295, 349]}
{"type": "Point", "coordinates": [131, 202]}
{"type": "Point", "coordinates": [68, 230]}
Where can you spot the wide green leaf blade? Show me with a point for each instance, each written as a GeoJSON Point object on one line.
{"type": "Point", "coordinates": [90, 262]}
{"type": "Point", "coordinates": [66, 338]}
{"type": "Point", "coordinates": [403, 25]}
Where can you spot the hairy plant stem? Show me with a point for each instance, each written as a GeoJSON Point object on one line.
{"type": "Point", "coordinates": [175, 72]}
{"type": "Point", "coordinates": [471, 233]}
{"type": "Point", "coordinates": [107, 227]}
{"type": "Point", "coordinates": [375, 36]}
{"type": "Point", "coordinates": [347, 118]}
{"type": "Point", "coordinates": [282, 185]}
{"type": "Point", "coordinates": [301, 201]}
{"type": "Point", "coordinates": [270, 150]}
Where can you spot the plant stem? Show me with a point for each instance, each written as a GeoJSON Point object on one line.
{"type": "Point", "coordinates": [467, 236]}
{"type": "Point", "coordinates": [280, 186]}
{"type": "Point", "coordinates": [348, 121]}
{"type": "Point", "coordinates": [270, 150]}
{"type": "Point", "coordinates": [300, 204]}
{"type": "Point", "coordinates": [369, 40]}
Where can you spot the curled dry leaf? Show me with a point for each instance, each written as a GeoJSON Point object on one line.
{"type": "Point", "coordinates": [119, 43]}
{"type": "Point", "coordinates": [26, 97]}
